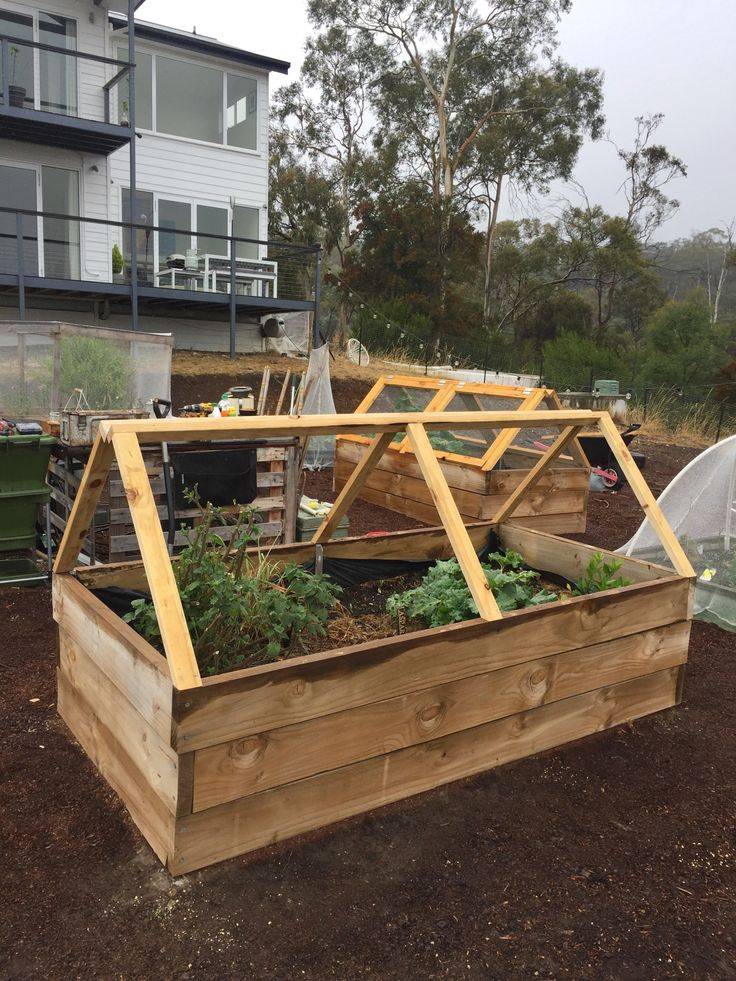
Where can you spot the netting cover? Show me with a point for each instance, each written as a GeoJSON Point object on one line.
{"type": "Point", "coordinates": [699, 506]}
{"type": "Point", "coordinates": [318, 400]}
{"type": "Point", "coordinates": [43, 365]}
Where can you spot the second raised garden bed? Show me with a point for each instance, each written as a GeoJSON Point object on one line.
{"type": "Point", "coordinates": [211, 768]}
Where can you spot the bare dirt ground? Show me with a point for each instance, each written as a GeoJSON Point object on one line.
{"type": "Point", "coordinates": [609, 858]}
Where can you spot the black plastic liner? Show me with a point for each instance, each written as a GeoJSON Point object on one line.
{"type": "Point", "coordinates": [345, 572]}
{"type": "Point", "coordinates": [220, 476]}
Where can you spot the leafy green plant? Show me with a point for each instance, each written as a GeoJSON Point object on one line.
{"type": "Point", "coordinates": [240, 608]}
{"type": "Point", "coordinates": [103, 371]}
{"type": "Point", "coordinates": [117, 260]}
{"type": "Point", "coordinates": [443, 596]}
{"type": "Point", "coordinates": [600, 575]}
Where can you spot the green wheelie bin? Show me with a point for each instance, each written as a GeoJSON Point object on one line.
{"type": "Point", "coordinates": [24, 461]}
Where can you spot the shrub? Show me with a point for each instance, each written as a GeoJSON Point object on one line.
{"type": "Point", "coordinates": [570, 361]}
{"type": "Point", "coordinates": [240, 609]}
{"type": "Point", "coordinates": [117, 260]}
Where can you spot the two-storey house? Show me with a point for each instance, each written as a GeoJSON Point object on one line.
{"type": "Point", "coordinates": [134, 179]}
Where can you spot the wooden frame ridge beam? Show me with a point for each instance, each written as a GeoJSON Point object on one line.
{"type": "Point", "coordinates": [453, 523]}
{"type": "Point", "coordinates": [157, 563]}
{"type": "Point", "coordinates": [645, 497]}
{"type": "Point", "coordinates": [532, 478]}
{"type": "Point", "coordinates": [353, 486]}
{"type": "Point", "coordinates": [504, 440]}
{"type": "Point", "coordinates": [208, 430]}
{"type": "Point", "coordinates": [85, 505]}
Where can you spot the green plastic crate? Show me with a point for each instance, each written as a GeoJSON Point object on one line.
{"type": "Point", "coordinates": [306, 527]}
{"type": "Point", "coordinates": [24, 461]}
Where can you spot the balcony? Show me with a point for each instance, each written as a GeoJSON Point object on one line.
{"type": "Point", "coordinates": [43, 101]}
{"type": "Point", "coordinates": [47, 257]}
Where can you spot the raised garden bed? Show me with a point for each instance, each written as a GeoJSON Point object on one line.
{"type": "Point", "coordinates": [211, 768]}
{"type": "Point", "coordinates": [480, 469]}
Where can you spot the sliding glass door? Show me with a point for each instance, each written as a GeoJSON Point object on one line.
{"type": "Point", "coordinates": [61, 240]}
{"type": "Point", "coordinates": [18, 190]}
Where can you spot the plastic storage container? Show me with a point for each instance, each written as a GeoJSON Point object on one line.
{"type": "Point", "coordinates": [24, 461]}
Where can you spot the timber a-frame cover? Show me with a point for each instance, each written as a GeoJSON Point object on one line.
{"type": "Point", "coordinates": [122, 440]}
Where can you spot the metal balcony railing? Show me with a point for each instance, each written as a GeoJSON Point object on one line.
{"type": "Point", "coordinates": [44, 78]}
{"type": "Point", "coordinates": [50, 251]}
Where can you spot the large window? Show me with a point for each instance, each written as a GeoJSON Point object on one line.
{"type": "Point", "coordinates": [188, 100]}
{"type": "Point", "coordinates": [177, 216]}
{"type": "Point", "coordinates": [211, 221]}
{"type": "Point", "coordinates": [60, 192]}
{"type": "Point", "coordinates": [245, 225]}
{"type": "Point", "coordinates": [58, 72]}
{"type": "Point", "coordinates": [20, 58]}
{"type": "Point", "coordinates": [242, 111]}
{"type": "Point", "coordinates": [191, 100]}
{"type": "Point", "coordinates": [143, 90]}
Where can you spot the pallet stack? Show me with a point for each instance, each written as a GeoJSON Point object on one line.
{"type": "Point", "coordinates": [111, 537]}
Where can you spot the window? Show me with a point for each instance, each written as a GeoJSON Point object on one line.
{"type": "Point", "coordinates": [242, 111]}
{"type": "Point", "coordinates": [211, 221]}
{"type": "Point", "coordinates": [245, 225]}
{"type": "Point", "coordinates": [60, 194]}
{"type": "Point", "coordinates": [188, 100]}
{"type": "Point", "coordinates": [20, 71]}
{"type": "Point", "coordinates": [142, 213]}
{"type": "Point", "coordinates": [175, 215]}
{"type": "Point", "coordinates": [58, 72]}
{"type": "Point", "coordinates": [193, 101]}
{"type": "Point", "coordinates": [143, 89]}
{"type": "Point", "coordinates": [18, 190]}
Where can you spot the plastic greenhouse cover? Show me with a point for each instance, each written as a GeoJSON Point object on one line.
{"type": "Point", "coordinates": [699, 506]}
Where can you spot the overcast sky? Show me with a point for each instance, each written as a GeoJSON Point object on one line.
{"type": "Point", "coordinates": [670, 56]}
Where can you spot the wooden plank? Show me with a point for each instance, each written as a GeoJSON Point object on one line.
{"type": "Point", "coordinates": [549, 496]}
{"type": "Point", "coordinates": [263, 392]}
{"type": "Point", "coordinates": [154, 431]}
{"type": "Point", "coordinates": [271, 759]}
{"type": "Point", "coordinates": [282, 393]}
{"type": "Point", "coordinates": [570, 559]}
{"type": "Point", "coordinates": [504, 440]}
{"type": "Point", "coordinates": [104, 749]}
{"type": "Point", "coordinates": [129, 543]}
{"type": "Point", "coordinates": [264, 818]}
{"type": "Point", "coordinates": [164, 591]}
{"type": "Point", "coordinates": [352, 487]}
{"type": "Point", "coordinates": [263, 698]}
{"type": "Point", "coordinates": [576, 449]}
{"type": "Point", "coordinates": [148, 749]}
{"type": "Point", "coordinates": [645, 497]}
{"type": "Point", "coordinates": [84, 507]}
{"type": "Point", "coordinates": [535, 474]}
{"type": "Point", "coordinates": [465, 478]}
{"type": "Point", "coordinates": [467, 559]}
{"type": "Point", "coordinates": [136, 669]}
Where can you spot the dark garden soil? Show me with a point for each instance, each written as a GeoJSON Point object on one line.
{"type": "Point", "coordinates": [609, 858]}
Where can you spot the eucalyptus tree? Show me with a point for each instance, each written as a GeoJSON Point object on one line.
{"type": "Point", "coordinates": [327, 120]}
{"type": "Point", "coordinates": [444, 93]}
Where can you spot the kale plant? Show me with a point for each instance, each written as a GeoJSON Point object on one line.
{"type": "Point", "coordinates": [241, 608]}
{"type": "Point", "coordinates": [444, 597]}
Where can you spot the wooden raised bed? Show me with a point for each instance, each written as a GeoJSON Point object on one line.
{"type": "Point", "coordinates": [212, 768]}
{"type": "Point", "coordinates": [486, 472]}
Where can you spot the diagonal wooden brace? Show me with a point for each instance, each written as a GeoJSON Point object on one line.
{"type": "Point", "coordinates": [353, 486]}
{"type": "Point", "coordinates": [85, 505]}
{"type": "Point", "coordinates": [532, 478]}
{"type": "Point", "coordinates": [453, 523]}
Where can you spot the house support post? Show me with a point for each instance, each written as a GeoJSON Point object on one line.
{"type": "Point", "coordinates": [317, 296]}
{"type": "Point", "coordinates": [233, 305]}
{"type": "Point", "coordinates": [133, 188]}
{"type": "Point", "coordinates": [21, 269]}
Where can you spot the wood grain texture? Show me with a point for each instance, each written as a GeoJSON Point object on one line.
{"type": "Point", "coordinates": [273, 815]}
{"type": "Point", "coordinates": [147, 748]}
{"type": "Point", "coordinates": [85, 503]}
{"type": "Point", "coordinates": [259, 699]}
{"type": "Point", "coordinates": [104, 749]}
{"type": "Point", "coordinates": [352, 486]}
{"type": "Point", "coordinates": [453, 523]}
{"type": "Point", "coordinates": [279, 756]}
{"type": "Point", "coordinates": [157, 563]}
